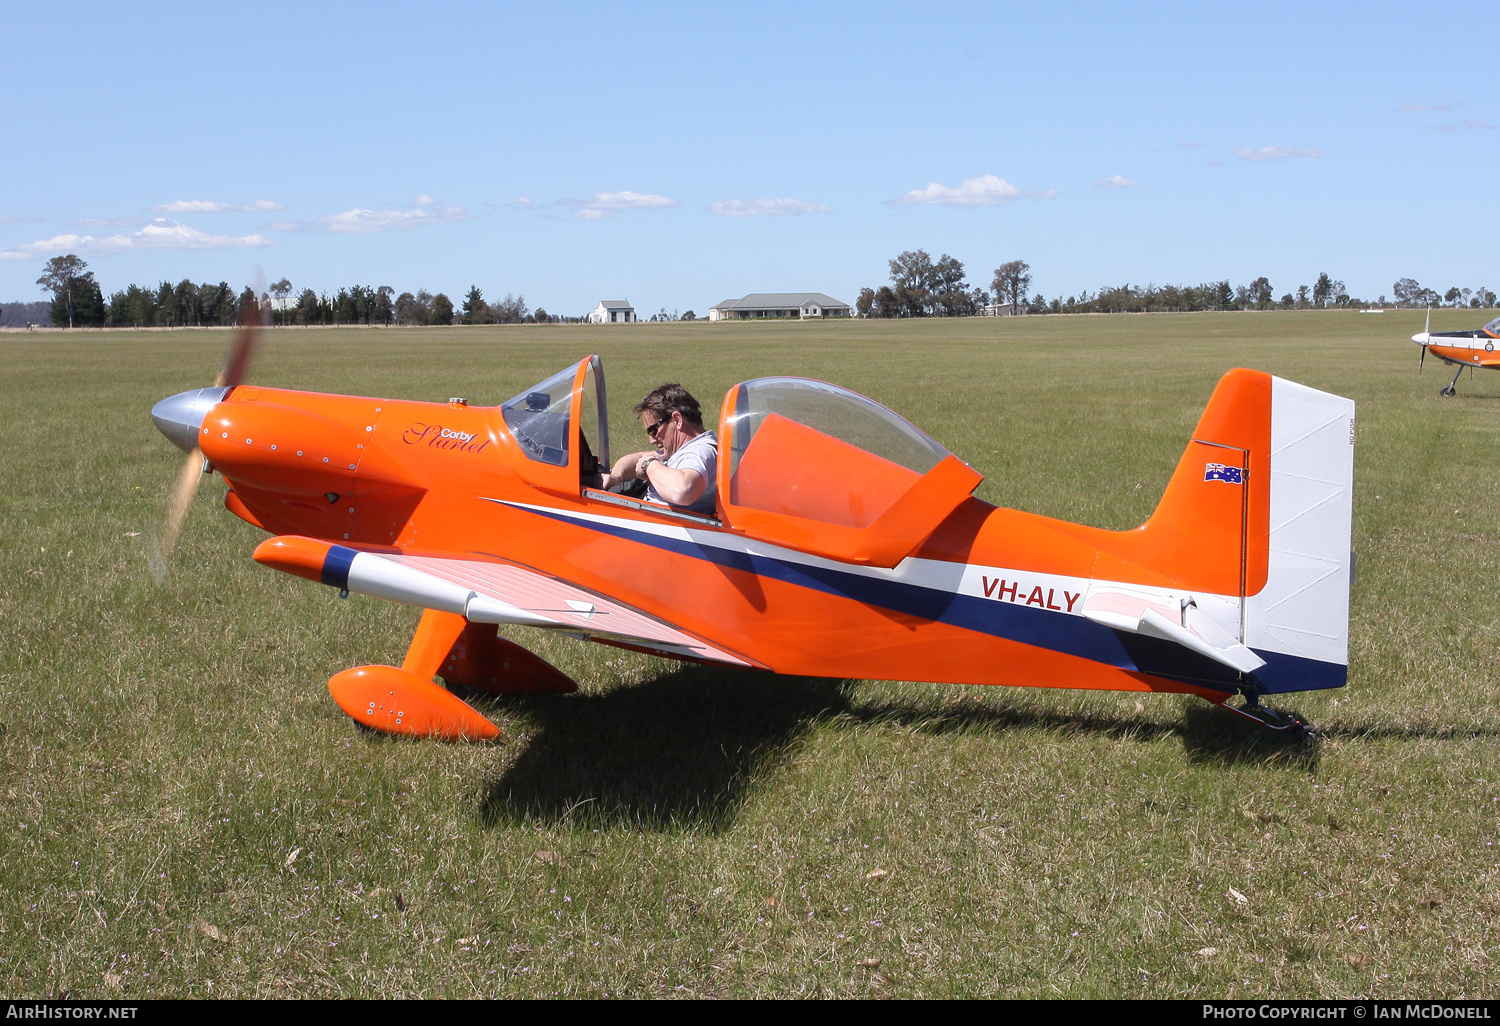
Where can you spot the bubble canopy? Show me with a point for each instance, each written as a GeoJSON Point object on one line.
{"type": "Point", "coordinates": [833, 411]}
{"type": "Point", "coordinates": [822, 469]}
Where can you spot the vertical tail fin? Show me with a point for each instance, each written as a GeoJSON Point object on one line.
{"type": "Point", "coordinates": [1259, 512]}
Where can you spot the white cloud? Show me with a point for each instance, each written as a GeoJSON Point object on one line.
{"type": "Point", "coordinates": [1185, 144]}
{"type": "Point", "coordinates": [423, 200]}
{"type": "Point", "coordinates": [1423, 107]}
{"type": "Point", "coordinates": [779, 207]}
{"type": "Point", "coordinates": [1478, 124]}
{"type": "Point", "coordinates": [105, 222]}
{"type": "Point", "coordinates": [213, 207]}
{"type": "Point", "coordinates": [159, 234]}
{"type": "Point", "coordinates": [984, 191]}
{"type": "Point", "coordinates": [359, 221]}
{"type": "Point", "coordinates": [1274, 153]}
{"type": "Point", "coordinates": [604, 205]}
{"type": "Point", "coordinates": [167, 234]}
{"type": "Point", "coordinates": [523, 201]}
{"type": "Point", "coordinates": [1117, 182]}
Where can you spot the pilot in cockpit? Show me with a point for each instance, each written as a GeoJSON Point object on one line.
{"type": "Point", "coordinates": [681, 470]}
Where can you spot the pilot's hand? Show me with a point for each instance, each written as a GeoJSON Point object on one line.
{"type": "Point", "coordinates": [643, 462]}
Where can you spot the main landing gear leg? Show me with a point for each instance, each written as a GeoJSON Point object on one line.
{"type": "Point", "coordinates": [1452, 388]}
{"type": "Point", "coordinates": [1271, 719]}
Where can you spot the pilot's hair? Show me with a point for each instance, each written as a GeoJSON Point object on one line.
{"type": "Point", "coordinates": [663, 400]}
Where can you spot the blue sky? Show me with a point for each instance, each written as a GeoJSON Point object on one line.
{"type": "Point", "coordinates": [678, 155]}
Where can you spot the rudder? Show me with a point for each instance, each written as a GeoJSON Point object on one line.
{"type": "Point", "coordinates": [1299, 622]}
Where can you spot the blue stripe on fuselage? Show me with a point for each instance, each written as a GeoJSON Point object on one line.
{"type": "Point", "coordinates": [1029, 625]}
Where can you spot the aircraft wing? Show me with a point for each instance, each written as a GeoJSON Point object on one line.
{"type": "Point", "coordinates": [485, 591]}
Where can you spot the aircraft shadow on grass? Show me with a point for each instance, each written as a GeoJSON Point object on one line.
{"type": "Point", "coordinates": [681, 751]}
{"type": "Point", "coordinates": [687, 749]}
{"type": "Point", "coordinates": [1213, 737]}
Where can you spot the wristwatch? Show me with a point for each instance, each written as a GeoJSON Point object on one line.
{"type": "Point", "coordinates": [647, 462]}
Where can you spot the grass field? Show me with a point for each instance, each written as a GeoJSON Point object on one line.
{"type": "Point", "coordinates": [187, 813]}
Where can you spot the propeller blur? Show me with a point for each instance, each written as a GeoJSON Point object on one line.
{"type": "Point", "coordinates": [180, 418]}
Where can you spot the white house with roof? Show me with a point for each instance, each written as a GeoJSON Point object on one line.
{"type": "Point", "coordinates": [612, 311]}
{"type": "Point", "coordinates": [778, 304]}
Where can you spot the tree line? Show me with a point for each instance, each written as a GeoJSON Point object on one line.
{"type": "Point", "coordinates": [79, 302]}
{"type": "Point", "coordinates": [1409, 293]}
{"type": "Point", "coordinates": [923, 287]}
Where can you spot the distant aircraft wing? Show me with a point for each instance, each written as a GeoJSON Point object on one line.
{"type": "Point", "coordinates": [483, 591]}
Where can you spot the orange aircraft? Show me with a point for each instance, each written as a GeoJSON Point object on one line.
{"type": "Point", "coordinates": [845, 543]}
{"type": "Point", "coordinates": [1474, 347]}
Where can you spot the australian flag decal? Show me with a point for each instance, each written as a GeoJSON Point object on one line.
{"type": "Point", "coordinates": [1219, 472]}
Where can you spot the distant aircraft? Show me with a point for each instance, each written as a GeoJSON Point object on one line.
{"type": "Point", "coordinates": [1474, 347]}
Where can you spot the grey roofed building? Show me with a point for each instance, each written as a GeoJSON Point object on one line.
{"type": "Point", "coordinates": [612, 311]}
{"type": "Point", "coordinates": [779, 304]}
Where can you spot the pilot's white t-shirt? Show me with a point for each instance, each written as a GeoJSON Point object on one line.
{"type": "Point", "coordinates": [700, 454]}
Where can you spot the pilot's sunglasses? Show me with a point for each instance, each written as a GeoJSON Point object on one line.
{"type": "Point", "coordinates": [652, 429]}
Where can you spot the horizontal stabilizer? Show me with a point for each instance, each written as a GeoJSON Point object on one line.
{"type": "Point", "coordinates": [1233, 655]}
{"type": "Point", "coordinates": [1126, 612]}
